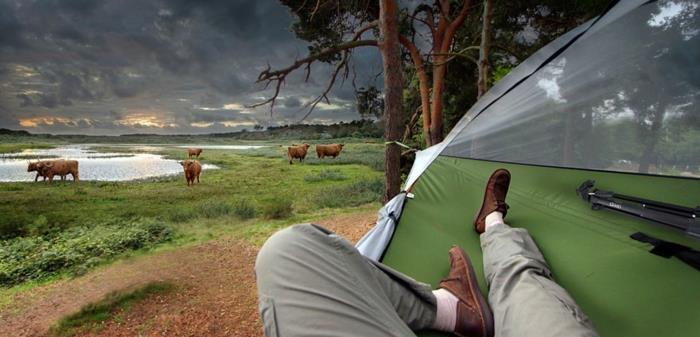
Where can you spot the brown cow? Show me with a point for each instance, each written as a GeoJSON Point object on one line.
{"type": "Point", "coordinates": [39, 168]}
{"type": "Point", "coordinates": [193, 152]}
{"type": "Point", "coordinates": [297, 152]}
{"type": "Point", "coordinates": [328, 150]}
{"type": "Point", "coordinates": [192, 170]}
{"type": "Point", "coordinates": [60, 167]}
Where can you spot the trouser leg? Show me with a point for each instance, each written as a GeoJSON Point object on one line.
{"type": "Point", "coordinates": [524, 298]}
{"type": "Point", "coordinates": [313, 283]}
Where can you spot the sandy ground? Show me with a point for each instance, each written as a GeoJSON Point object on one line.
{"type": "Point", "coordinates": [214, 293]}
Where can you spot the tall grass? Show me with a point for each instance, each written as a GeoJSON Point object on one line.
{"type": "Point", "coordinates": [358, 193]}
{"type": "Point", "coordinates": [325, 174]}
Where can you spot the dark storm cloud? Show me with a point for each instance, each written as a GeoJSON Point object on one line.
{"type": "Point", "coordinates": [291, 102]}
{"type": "Point", "coordinates": [10, 27]}
{"type": "Point", "coordinates": [111, 66]}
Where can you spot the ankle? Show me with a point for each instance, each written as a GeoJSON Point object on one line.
{"type": "Point", "coordinates": [446, 313]}
{"type": "Point", "coordinates": [493, 219]}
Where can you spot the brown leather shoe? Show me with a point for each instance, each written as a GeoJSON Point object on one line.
{"type": "Point", "coordinates": [494, 198]}
{"type": "Point", "coordinates": [474, 318]}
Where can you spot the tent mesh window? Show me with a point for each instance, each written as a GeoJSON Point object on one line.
{"type": "Point", "coordinates": [621, 98]}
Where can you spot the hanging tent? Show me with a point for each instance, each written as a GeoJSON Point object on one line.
{"type": "Point", "coordinates": [613, 101]}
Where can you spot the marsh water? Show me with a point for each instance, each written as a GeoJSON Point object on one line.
{"type": "Point", "coordinates": [103, 166]}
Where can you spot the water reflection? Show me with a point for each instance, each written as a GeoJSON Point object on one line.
{"type": "Point", "coordinates": [100, 166]}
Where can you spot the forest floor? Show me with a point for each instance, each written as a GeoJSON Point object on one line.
{"type": "Point", "coordinates": [213, 292]}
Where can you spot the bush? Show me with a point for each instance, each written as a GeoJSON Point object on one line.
{"type": "Point", "coordinates": [215, 208]}
{"type": "Point", "coordinates": [325, 174]}
{"type": "Point", "coordinates": [355, 194]}
{"type": "Point", "coordinates": [75, 250]}
{"type": "Point", "coordinates": [40, 225]}
{"type": "Point", "coordinates": [278, 208]}
{"type": "Point", "coordinates": [244, 209]}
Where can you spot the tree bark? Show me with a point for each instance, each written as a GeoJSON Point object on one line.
{"type": "Point", "coordinates": [483, 84]}
{"type": "Point", "coordinates": [391, 57]}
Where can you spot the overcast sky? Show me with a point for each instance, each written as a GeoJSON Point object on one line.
{"type": "Point", "coordinates": [158, 66]}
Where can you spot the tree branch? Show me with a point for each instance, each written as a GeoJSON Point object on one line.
{"type": "Point", "coordinates": [324, 95]}
{"type": "Point", "coordinates": [453, 55]}
{"type": "Point", "coordinates": [279, 76]}
{"type": "Point", "coordinates": [454, 25]}
{"type": "Point", "coordinates": [422, 82]}
{"type": "Point", "coordinates": [429, 21]}
{"type": "Point", "coordinates": [313, 13]}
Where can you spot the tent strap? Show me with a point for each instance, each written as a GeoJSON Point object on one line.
{"type": "Point", "coordinates": [668, 249]}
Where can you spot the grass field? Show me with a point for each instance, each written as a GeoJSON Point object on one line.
{"type": "Point", "coordinates": [67, 228]}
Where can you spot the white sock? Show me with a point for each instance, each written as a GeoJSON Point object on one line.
{"type": "Point", "coordinates": [493, 219]}
{"type": "Point", "coordinates": [446, 316]}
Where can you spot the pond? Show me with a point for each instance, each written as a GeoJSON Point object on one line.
{"type": "Point", "coordinates": [100, 166]}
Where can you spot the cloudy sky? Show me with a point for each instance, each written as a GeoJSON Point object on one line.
{"type": "Point", "coordinates": [156, 66]}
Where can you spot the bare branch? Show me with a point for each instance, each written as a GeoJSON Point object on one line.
{"type": "Point", "coordinates": [429, 21]}
{"type": "Point", "coordinates": [279, 76]}
{"type": "Point", "coordinates": [324, 95]}
{"type": "Point", "coordinates": [361, 30]}
{"type": "Point", "coordinates": [453, 55]}
{"type": "Point", "coordinates": [318, 4]}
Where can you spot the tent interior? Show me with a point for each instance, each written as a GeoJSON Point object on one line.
{"type": "Point", "coordinates": [612, 101]}
{"type": "Point", "coordinates": [625, 290]}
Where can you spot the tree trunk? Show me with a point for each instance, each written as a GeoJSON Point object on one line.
{"type": "Point", "coordinates": [436, 109]}
{"type": "Point", "coordinates": [393, 90]}
{"type": "Point", "coordinates": [483, 82]}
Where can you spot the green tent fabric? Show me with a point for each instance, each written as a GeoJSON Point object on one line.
{"type": "Point", "coordinates": [624, 289]}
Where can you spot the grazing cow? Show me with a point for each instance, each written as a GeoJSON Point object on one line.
{"type": "Point", "coordinates": [60, 167]}
{"type": "Point", "coordinates": [192, 170]}
{"type": "Point", "coordinates": [328, 150]}
{"type": "Point", "coordinates": [298, 151]}
{"type": "Point", "coordinates": [193, 152]}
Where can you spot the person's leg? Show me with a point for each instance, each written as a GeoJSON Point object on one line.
{"type": "Point", "coordinates": [524, 298]}
{"type": "Point", "coordinates": [313, 283]}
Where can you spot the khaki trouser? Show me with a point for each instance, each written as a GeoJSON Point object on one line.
{"type": "Point", "coordinates": [313, 283]}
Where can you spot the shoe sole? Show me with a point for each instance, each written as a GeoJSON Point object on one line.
{"type": "Point", "coordinates": [477, 297]}
{"type": "Point", "coordinates": [483, 200]}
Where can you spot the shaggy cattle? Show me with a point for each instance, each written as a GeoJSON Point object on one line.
{"type": "Point", "coordinates": [298, 151]}
{"type": "Point", "coordinates": [60, 167]}
{"type": "Point", "coordinates": [192, 170]}
{"type": "Point", "coordinates": [39, 168]}
{"type": "Point", "coordinates": [328, 150]}
{"type": "Point", "coordinates": [193, 153]}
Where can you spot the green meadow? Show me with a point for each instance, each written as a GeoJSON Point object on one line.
{"type": "Point", "coordinates": [52, 231]}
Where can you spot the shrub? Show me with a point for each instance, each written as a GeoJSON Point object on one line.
{"type": "Point", "coordinates": [76, 249]}
{"type": "Point", "coordinates": [355, 194]}
{"type": "Point", "coordinates": [40, 225]}
{"type": "Point", "coordinates": [325, 174]}
{"type": "Point", "coordinates": [244, 209]}
{"type": "Point", "coordinates": [215, 208]}
{"type": "Point", "coordinates": [278, 208]}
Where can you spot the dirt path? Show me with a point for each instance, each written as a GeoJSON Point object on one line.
{"type": "Point", "coordinates": [215, 291]}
